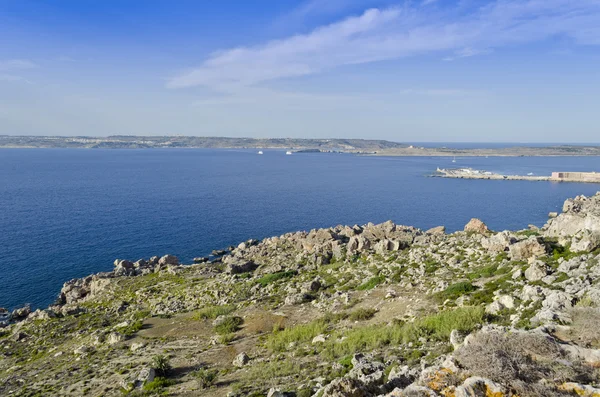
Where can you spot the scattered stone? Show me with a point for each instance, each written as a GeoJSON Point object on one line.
{"type": "Point", "coordinates": [319, 339]}
{"type": "Point", "coordinates": [536, 271]}
{"type": "Point", "coordinates": [241, 360]}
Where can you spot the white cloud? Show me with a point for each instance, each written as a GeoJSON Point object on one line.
{"type": "Point", "coordinates": [466, 53]}
{"type": "Point", "coordinates": [386, 34]}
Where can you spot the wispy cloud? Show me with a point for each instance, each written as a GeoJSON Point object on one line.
{"type": "Point", "coordinates": [466, 53]}
{"type": "Point", "coordinates": [392, 33]}
{"type": "Point", "coordinates": [8, 68]}
{"type": "Point", "coordinates": [16, 64]}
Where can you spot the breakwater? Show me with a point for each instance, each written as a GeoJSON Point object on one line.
{"type": "Point", "coordinates": [469, 173]}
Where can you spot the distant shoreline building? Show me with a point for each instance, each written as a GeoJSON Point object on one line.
{"type": "Point", "coordinates": [576, 176]}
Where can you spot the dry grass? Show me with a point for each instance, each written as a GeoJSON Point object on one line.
{"type": "Point", "coordinates": [522, 361]}
{"type": "Point", "coordinates": [584, 329]}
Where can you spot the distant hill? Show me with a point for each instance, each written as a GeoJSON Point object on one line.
{"type": "Point", "coordinates": [130, 141]}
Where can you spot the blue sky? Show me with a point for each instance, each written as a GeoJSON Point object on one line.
{"type": "Point", "coordinates": [429, 70]}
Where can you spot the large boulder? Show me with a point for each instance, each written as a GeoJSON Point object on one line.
{"type": "Point", "coordinates": [528, 248]}
{"type": "Point", "coordinates": [536, 271]}
{"type": "Point", "coordinates": [168, 260]}
{"type": "Point", "coordinates": [476, 226]}
{"type": "Point", "coordinates": [499, 242]}
{"type": "Point", "coordinates": [238, 266]}
{"type": "Point", "coordinates": [580, 213]}
{"type": "Point", "coordinates": [585, 241]}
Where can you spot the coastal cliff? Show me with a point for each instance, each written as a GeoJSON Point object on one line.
{"type": "Point", "coordinates": [372, 310]}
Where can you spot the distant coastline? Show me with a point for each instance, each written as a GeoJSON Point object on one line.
{"type": "Point", "coordinates": [355, 146]}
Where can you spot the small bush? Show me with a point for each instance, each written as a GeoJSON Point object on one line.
{"type": "Point", "coordinates": [206, 377]}
{"type": "Point", "coordinates": [521, 361]}
{"type": "Point", "coordinates": [132, 328]}
{"type": "Point", "coordinates": [161, 364]}
{"type": "Point", "coordinates": [454, 291]}
{"type": "Point", "coordinates": [362, 314]}
{"type": "Point", "coordinates": [372, 283]}
{"type": "Point", "coordinates": [158, 384]}
{"type": "Point", "coordinates": [584, 328]}
{"type": "Point", "coordinates": [212, 312]}
{"type": "Point", "coordinates": [225, 339]}
{"type": "Point", "coordinates": [483, 272]}
{"type": "Point", "coordinates": [270, 278]}
{"type": "Point", "coordinates": [229, 325]}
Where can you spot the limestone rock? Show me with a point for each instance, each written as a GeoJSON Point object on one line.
{"type": "Point", "coordinates": [499, 242]}
{"type": "Point", "coordinates": [241, 359]}
{"type": "Point", "coordinates": [526, 249]}
{"type": "Point", "coordinates": [536, 271]}
{"type": "Point", "coordinates": [476, 226]}
{"type": "Point", "coordinates": [168, 260]}
{"type": "Point", "coordinates": [480, 387]}
{"type": "Point", "coordinates": [437, 230]}
{"type": "Point", "coordinates": [585, 240]}
{"type": "Point", "coordinates": [21, 313]}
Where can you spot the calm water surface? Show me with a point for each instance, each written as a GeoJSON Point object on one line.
{"type": "Point", "coordinates": [66, 213]}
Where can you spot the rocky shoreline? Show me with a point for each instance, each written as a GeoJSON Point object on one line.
{"type": "Point", "coordinates": [372, 310]}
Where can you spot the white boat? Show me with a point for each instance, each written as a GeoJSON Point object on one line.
{"type": "Point", "coordinates": [531, 173]}
{"type": "Point", "coordinates": [260, 152]}
{"type": "Point", "coordinates": [454, 159]}
{"type": "Point", "coordinates": [288, 152]}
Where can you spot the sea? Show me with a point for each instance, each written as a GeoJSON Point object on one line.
{"type": "Point", "coordinates": [67, 213]}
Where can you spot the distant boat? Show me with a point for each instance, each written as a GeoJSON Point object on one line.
{"type": "Point", "coordinates": [454, 159]}
{"type": "Point", "coordinates": [531, 173]}
{"type": "Point", "coordinates": [288, 152]}
{"type": "Point", "coordinates": [260, 152]}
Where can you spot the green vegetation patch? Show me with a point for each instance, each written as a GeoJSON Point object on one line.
{"type": "Point", "coordinates": [270, 278]}
{"type": "Point", "coordinates": [436, 327]}
{"type": "Point", "coordinates": [206, 377]}
{"type": "Point", "coordinates": [212, 312]}
{"type": "Point", "coordinates": [158, 384]}
{"type": "Point", "coordinates": [362, 314]}
{"type": "Point", "coordinates": [229, 325]}
{"type": "Point", "coordinates": [371, 283]}
{"type": "Point", "coordinates": [455, 291]}
{"type": "Point", "coordinates": [280, 340]}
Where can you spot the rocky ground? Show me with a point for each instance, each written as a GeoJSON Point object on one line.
{"type": "Point", "coordinates": [373, 310]}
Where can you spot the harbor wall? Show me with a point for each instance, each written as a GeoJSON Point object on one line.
{"type": "Point", "coordinates": [577, 176]}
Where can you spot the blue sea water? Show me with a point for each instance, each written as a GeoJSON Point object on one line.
{"type": "Point", "coordinates": [67, 213]}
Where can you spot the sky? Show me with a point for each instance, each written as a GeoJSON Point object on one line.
{"type": "Point", "coordinates": [418, 70]}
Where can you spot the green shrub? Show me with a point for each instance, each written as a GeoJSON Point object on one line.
{"type": "Point", "coordinates": [270, 278]}
{"type": "Point", "coordinates": [454, 291]}
{"type": "Point", "coordinates": [225, 339]}
{"type": "Point", "coordinates": [362, 314]}
{"type": "Point", "coordinates": [212, 312]}
{"type": "Point", "coordinates": [132, 328]}
{"type": "Point", "coordinates": [371, 283]}
{"type": "Point", "coordinates": [483, 272]}
{"type": "Point", "coordinates": [279, 340]}
{"type": "Point", "coordinates": [161, 364]}
{"type": "Point", "coordinates": [229, 325]}
{"type": "Point", "coordinates": [206, 377]}
{"type": "Point", "coordinates": [158, 384]}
